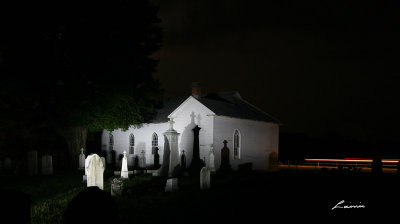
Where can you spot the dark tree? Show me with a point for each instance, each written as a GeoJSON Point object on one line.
{"type": "Point", "coordinates": [78, 66]}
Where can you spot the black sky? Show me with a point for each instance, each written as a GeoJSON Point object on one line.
{"type": "Point", "coordinates": [318, 66]}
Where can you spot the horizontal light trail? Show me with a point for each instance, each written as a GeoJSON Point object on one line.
{"type": "Point", "coordinates": [352, 160]}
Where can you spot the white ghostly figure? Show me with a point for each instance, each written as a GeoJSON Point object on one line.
{"type": "Point", "coordinates": [94, 170]}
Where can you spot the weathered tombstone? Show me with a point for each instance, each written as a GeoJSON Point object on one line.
{"type": "Point", "coordinates": [172, 185]}
{"type": "Point", "coordinates": [171, 137]}
{"type": "Point", "coordinates": [205, 180]}
{"type": "Point", "coordinates": [225, 165]}
{"type": "Point", "coordinates": [120, 156]}
{"type": "Point", "coordinates": [183, 160]}
{"type": "Point", "coordinates": [95, 171]}
{"type": "Point", "coordinates": [156, 159]}
{"type": "Point", "coordinates": [103, 159]}
{"type": "Point", "coordinates": [196, 164]}
{"type": "Point", "coordinates": [7, 164]}
{"type": "Point", "coordinates": [116, 186]}
{"type": "Point", "coordinates": [273, 161]}
{"type": "Point", "coordinates": [136, 162]}
{"type": "Point", "coordinates": [131, 160]}
{"type": "Point", "coordinates": [212, 160]}
{"type": "Point", "coordinates": [124, 168]}
{"type": "Point", "coordinates": [142, 160]}
{"type": "Point", "coordinates": [47, 165]}
{"type": "Point", "coordinates": [32, 163]}
{"type": "Point", "coordinates": [82, 160]}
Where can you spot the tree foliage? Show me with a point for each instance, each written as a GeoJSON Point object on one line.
{"type": "Point", "coordinates": [83, 63]}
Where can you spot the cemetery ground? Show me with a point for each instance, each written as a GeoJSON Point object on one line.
{"type": "Point", "coordinates": [285, 195]}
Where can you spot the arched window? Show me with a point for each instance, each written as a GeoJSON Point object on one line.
{"type": "Point", "coordinates": [131, 144]}
{"type": "Point", "coordinates": [111, 142]}
{"type": "Point", "coordinates": [154, 143]}
{"type": "Point", "coordinates": [236, 145]}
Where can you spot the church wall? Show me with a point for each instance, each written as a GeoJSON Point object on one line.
{"type": "Point", "coordinates": [193, 113]}
{"type": "Point", "coordinates": [258, 140]}
{"type": "Point", "coordinates": [143, 139]}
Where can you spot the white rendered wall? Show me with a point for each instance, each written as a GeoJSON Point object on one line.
{"type": "Point", "coordinates": [143, 138]}
{"type": "Point", "coordinates": [190, 114]}
{"type": "Point", "coordinates": [258, 140]}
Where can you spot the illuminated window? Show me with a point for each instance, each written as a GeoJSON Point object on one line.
{"type": "Point", "coordinates": [111, 142]}
{"type": "Point", "coordinates": [131, 144]}
{"type": "Point", "coordinates": [154, 143]}
{"type": "Point", "coordinates": [236, 145]}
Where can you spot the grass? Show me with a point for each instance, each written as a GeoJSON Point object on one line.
{"type": "Point", "coordinates": [285, 195]}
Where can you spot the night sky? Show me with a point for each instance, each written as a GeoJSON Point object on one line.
{"type": "Point", "coordinates": [318, 66]}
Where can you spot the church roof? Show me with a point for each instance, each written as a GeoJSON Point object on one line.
{"type": "Point", "coordinates": [228, 104]}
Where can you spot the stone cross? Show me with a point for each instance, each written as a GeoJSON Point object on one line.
{"type": "Point", "coordinates": [95, 171]}
{"type": "Point", "coordinates": [205, 180]}
{"type": "Point", "coordinates": [124, 169]}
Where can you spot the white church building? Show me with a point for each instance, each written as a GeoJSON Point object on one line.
{"type": "Point", "coordinates": [251, 134]}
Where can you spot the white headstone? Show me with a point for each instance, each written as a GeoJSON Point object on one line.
{"type": "Point", "coordinates": [172, 185]}
{"type": "Point", "coordinates": [32, 163]}
{"type": "Point", "coordinates": [212, 160]}
{"type": "Point", "coordinates": [172, 136]}
{"type": "Point", "coordinates": [205, 181]}
{"type": "Point", "coordinates": [95, 171]}
{"type": "Point", "coordinates": [124, 168]}
{"type": "Point", "coordinates": [47, 165]}
{"type": "Point", "coordinates": [82, 160]}
{"type": "Point", "coordinates": [142, 160]}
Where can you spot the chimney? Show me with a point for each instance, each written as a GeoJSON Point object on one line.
{"type": "Point", "coordinates": [196, 90]}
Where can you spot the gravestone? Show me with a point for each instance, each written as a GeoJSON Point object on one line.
{"type": "Point", "coordinates": [156, 159]}
{"type": "Point", "coordinates": [142, 160]}
{"type": "Point", "coordinates": [171, 151]}
{"type": "Point", "coordinates": [205, 180]}
{"type": "Point", "coordinates": [196, 164]}
{"type": "Point", "coordinates": [172, 185]}
{"type": "Point", "coordinates": [7, 164]}
{"type": "Point", "coordinates": [124, 168]}
{"type": "Point", "coordinates": [136, 162]}
{"type": "Point", "coordinates": [120, 156]}
{"type": "Point", "coordinates": [131, 160]}
{"type": "Point", "coordinates": [116, 187]}
{"type": "Point", "coordinates": [183, 160]}
{"type": "Point", "coordinates": [82, 160]}
{"type": "Point", "coordinates": [212, 160]}
{"type": "Point", "coordinates": [225, 165]}
{"type": "Point", "coordinates": [32, 163]}
{"type": "Point", "coordinates": [95, 171]}
{"type": "Point", "coordinates": [47, 165]}
{"type": "Point", "coordinates": [103, 159]}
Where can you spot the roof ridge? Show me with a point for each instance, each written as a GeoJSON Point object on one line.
{"type": "Point", "coordinates": [258, 109]}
